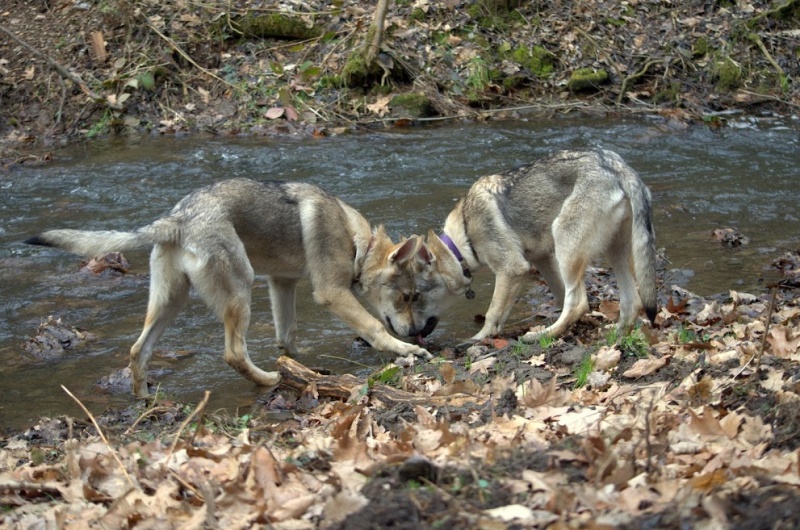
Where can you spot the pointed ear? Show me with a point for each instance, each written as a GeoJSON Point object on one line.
{"type": "Point", "coordinates": [434, 244]}
{"type": "Point", "coordinates": [424, 255]}
{"type": "Point", "coordinates": [404, 251]}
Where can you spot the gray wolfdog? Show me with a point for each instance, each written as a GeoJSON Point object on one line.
{"type": "Point", "coordinates": [556, 215]}
{"type": "Point", "coordinates": [217, 238]}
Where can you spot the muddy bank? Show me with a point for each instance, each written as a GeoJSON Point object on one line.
{"type": "Point", "coordinates": [76, 69]}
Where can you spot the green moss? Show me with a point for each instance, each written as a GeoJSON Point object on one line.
{"type": "Point", "coordinates": [727, 73]}
{"type": "Point", "coordinates": [274, 26]}
{"type": "Point", "coordinates": [498, 14]}
{"type": "Point", "coordinates": [586, 79]}
{"type": "Point", "coordinates": [668, 94]}
{"type": "Point", "coordinates": [417, 15]}
{"type": "Point", "coordinates": [411, 104]}
{"type": "Point", "coordinates": [701, 47]}
{"type": "Point", "coordinates": [355, 70]}
{"type": "Point", "coordinates": [513, 82]}
{"type": "Point", "coordinates": [538, 60]}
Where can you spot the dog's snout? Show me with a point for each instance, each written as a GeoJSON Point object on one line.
{"type": "Point", "coordinates": [426, 330]}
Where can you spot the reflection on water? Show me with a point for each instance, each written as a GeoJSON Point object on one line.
{"type": "Point", "coordinates": [744, 177]}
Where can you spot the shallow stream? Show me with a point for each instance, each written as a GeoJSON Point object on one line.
{"type": "Point", "coordinates": [745, 176]}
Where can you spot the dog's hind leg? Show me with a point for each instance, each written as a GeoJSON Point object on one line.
{"type": "Point", "coordinates": [282, 292]}
{"type": "Point", "coordinates": [548, 268]}
{"type": "Point", "coordinates": [223, 277]}
{"type": "Point", "coordinates": [576, 304]}
{"type": "Point", "coordinates": [621, 257]}
{"type": "Point", "coordinates": [169, 290]}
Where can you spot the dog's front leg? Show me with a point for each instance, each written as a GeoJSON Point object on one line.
{"type": "Point", "coordinates": [506, 288]}
{"type": "Point", "coordinates": [343, 304]}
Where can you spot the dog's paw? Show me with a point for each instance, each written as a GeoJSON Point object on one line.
{"type": "Point", "coordinates": [534, 335]}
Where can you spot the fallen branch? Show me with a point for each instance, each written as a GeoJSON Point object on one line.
{"type": "Point", "coordinates": [66, 74]}
{"type": "Point", "coordinates": [633, 76]}
{"type": "Point", "coordinates": [755, 38]}
{"type": "Point", "coordinates": [297, 377]}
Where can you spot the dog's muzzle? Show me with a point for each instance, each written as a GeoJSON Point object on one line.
{"type": "Point", "coordinates": [430, 325]}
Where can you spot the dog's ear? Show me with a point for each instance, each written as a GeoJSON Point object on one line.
{"type": "Point", "coordinates": [424, 255]}
{"type": "Point", "coordinates": [434, 244]}
{"type": "Point", "coordinates": [405, 251]}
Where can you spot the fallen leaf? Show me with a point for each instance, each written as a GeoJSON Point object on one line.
{"type": "Point", "coordinates": [274, 113]}
{"type": "Point", "coordinates": [644, 367]}
{"type": "Point", "coordinates": [782, 345]}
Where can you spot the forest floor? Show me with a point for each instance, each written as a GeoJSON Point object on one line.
{"type": "Point", "coordinates": [76, 69]}
{"type": "Point", "coordinates": [691, 423]}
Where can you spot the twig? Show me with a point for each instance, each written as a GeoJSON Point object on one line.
{"type": "Point", "coordinates": [200, 407]}
{"type": "Point", "coordinates": [14, 485]}
{"type": "Point", "coordinates": [338, 358]}
{"type": "Point", "coordinates": [772, 294]}
{"type": "Point", "coordinates": [636, 75]}
{"type": "Point", "coordinates": [63, 71]}
{"type": "Point", "coordinates": [102, 436]}
{"type": "Point", "coordinates": [774, 98]}
{"type": "Point", "coordinates": [756, 39]}
{"type": "Point", "coordinates": [183, 54]}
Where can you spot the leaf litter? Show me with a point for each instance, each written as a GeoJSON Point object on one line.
{"type": "Point", "coordinates": [703, 430]}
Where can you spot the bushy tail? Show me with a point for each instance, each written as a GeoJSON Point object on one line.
{"type": "Point", "coordinates": [98, 243]}
{"type": "Point", "coordinates": [642, 234]}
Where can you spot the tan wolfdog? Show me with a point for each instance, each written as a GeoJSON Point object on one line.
{"type": "Point", "coordinates": [217, 238]}
{"type": "Point", "coordinates": [556, 215]}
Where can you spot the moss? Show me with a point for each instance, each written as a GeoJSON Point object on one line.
{"type": "Point", "coordinates": [274, 26]}
{"type": "Point", "coordinates": [669, 94]}
{"type": "Point", "coordinates": [513, 82]}
{"type": "Point", "coordinates": [330, 81]}
{"type": "Point", "coordinates": [538, 60]}
{"type": "Point", "coordinates": [586, 79]}
{"type": "Point", "coordinates": [499, 14]}
{"type": "Point", "coordinates": [417, 15]}
{"type": "Point", "coordinates": [701, 47]}
{"type": "Point", "coordinates": [411, 104]}
{"type": "Point", "coordinates": [727, 73]}
{"type": "Point", "coordinates": [355, 70]}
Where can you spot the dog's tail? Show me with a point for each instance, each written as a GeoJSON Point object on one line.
{"type": "Point", "coordinates": [643, 238]}
{"type": "Point", "coordinates": [644, 247]}
{"type": "Point", "coordinates": [98, 243]}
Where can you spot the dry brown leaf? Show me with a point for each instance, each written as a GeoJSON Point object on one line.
{"type": "Point", "coordinates": [610, 309]}
{"type": "Point", "coordinates": [448, 373]}
{"type": "Point", "coordinates": [606, 358]}
{"type": "Point", "coordinates": [782, 345]}
{"type": "Point", "coordinates": [482, 366]}
{"type": "Point", "coordinates": [644, 367]}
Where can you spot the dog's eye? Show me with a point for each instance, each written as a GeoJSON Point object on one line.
{"type": "Point", "coordinates": [406, 297]}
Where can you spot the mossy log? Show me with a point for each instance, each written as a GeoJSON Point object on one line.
{"type": "Point", "coordinates": [274, 26]}
{"type": "Point", "coordinates": [586, 79]}
{"type": "Point", "coordinates": [411, 105]}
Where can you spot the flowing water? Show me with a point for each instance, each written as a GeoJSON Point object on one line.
{"type": "Point", "coordinates": [745, 176]}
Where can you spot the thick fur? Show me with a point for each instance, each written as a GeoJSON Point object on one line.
{"type": "Point", "coordinates": [217, 238]}
{"type": "Point", "coordinates": [556, 215]}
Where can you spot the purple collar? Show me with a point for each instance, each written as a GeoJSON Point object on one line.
{"type": "Point", "coordinates": [452, 246]}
